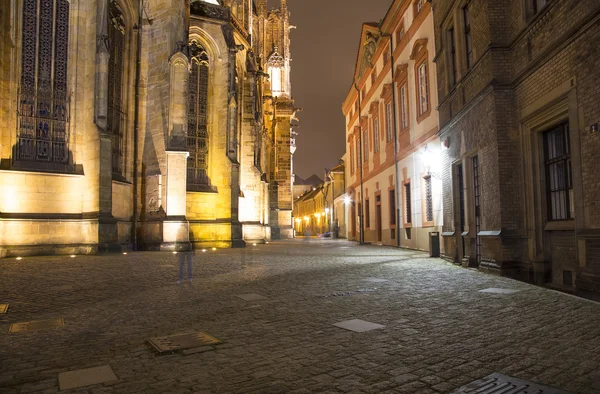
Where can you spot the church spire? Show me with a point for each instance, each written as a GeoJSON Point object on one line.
{"type": "Point", "coordinates": [283, 5]}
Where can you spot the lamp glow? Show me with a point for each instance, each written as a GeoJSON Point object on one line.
{"type": "Point", "coordinates": [347, 200]}
{"type": "Point", "coordinates": [19, 258]}
{"type": "Point", "coordinates": [203, 250]}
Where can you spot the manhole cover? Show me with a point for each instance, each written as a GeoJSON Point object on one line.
{"type": "Point", "coordinates": [501, 384]}
{"type": "Point", "coordinates": [36, 325]}
{"type": "Point", "coordinates": [183, 341]}
{"type": "Point", "coordinates": [3, 308]}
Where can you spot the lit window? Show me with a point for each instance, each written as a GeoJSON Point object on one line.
{"type": "Point", "coordinates": [423, 94]}
{"type": "Point", "coordinates": [43, 131]}
{"type": "Point", "coordinates": [389, 114]}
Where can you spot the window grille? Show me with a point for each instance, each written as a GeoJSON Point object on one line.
{"type": "Point", "coordinates": [428, 199]}
{"type": "Point", "coordinates": [559, 186]}
{"type": "Point", "coordinates": [43, 102]}
{"type": "Point", "coordinates": [197, 133]}
{"type": "Point", "coordinates": [408, 202]}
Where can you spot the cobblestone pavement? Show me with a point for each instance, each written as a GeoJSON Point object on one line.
{"type": "Point", "coordinates": [440, 332]}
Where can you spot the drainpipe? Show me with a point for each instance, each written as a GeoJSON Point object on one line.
{"type": "Point", "coordinates": [395, 122]}
{"type": "Point", "coordinates": [362, 195]}
{"type": "Point", "coordinates": [136, 126]}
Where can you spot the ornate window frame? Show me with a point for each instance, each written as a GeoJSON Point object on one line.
{"type": "Point", "coordinates": [42, 140]}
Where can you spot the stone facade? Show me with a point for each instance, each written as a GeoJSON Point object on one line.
{"type": "Point", "coordinates": [519, 115]}
{"type": "Point", "coordinates": [161, 124]}
{"type": "Point", "coordinates": [392, 150]}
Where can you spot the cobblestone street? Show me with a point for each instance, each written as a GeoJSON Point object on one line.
{"type": "Point", "coordinates": [440, 332]}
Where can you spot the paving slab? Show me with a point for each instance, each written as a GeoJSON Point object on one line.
{"type": "Point", "coordinates": [86, 377]}
{"type": "Point", "coordinates": [36, 325]}
{"type": "Point", "coordinates": [358, 325]}
{"type": "Point", "coordinates": [495, 290]}
{"type": "Point", "coordinates": [251, 297]}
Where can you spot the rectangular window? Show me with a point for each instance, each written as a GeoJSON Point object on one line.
{"type": "Point", "coordinates": [423, 90]}
{"type": "Point", "coordinates": [351, 158]}
{"type": "Point", "coordinates": [419, 6]}
{"type": "Point", "coordinates": [407, 203]}
{"type": "Point", "coordinates": [392, 207]}
{"type": "Point", "coordinates": [428, 199]}
{"type": "Point", "coordinates": [365, 145]}
{"type": "Point", "coordinates": [376, 134]}
{"type": "Point", "coordinates": [403, 107]}
{"type": "Point", "coordinates": [468, 43]}
{"type": "Point", "coordinates": [357, 148]}
{"type": "Point", "coordinates": [389, 114]}
{"type": "Point", "coordinates": [559, 185]}
{"type": "Point", "coordinates": [399, 34]}
{"type": "Point", "coordinates": [367, 214]}
{"type": "Point", "coordinates": [386, 56]}
{"type": "Point", "coordinates": [373, 77]}
{"type": "Point", "coordinates": [363, 93]}
{"type": "Point", "coordinates": [452, 42]}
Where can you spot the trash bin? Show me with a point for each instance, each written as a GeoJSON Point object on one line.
{"type": "Point", "coordinates": [434, 244]}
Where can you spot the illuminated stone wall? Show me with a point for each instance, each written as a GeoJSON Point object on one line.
{"type": "Point", "coordinates": [82, 206]}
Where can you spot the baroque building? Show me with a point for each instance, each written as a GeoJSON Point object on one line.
{"type": "Point", "coordinates": [393, 178]}
{"type": "Point", "coordinates": [518, 87]}
{"type": "Point", "coordinates": [153, 124]}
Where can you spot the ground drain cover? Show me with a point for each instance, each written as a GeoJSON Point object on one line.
{"type": "Point", "coordinates": [501, 384]}
{"type": "Point", "coordinates": [3, 308]}
{"type": "Point", "coordinates": [36, 325]}
{"type": "Point", "coordinates": [499, 291]}
{"type": "Point", "coordinates": [176, 342]}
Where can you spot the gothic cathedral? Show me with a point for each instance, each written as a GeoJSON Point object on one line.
{"type": "Point", "coordinates": [144, 124]}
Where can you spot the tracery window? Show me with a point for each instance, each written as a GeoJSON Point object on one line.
{"type": "Point", "coordinates": [197, 134]}
{"type": "Point", "coordinates": [116, 114]}
{"type": "Point", "coordinates": [43, 116]}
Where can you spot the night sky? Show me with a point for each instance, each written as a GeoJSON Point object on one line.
{"type": "Point", "coordinates": [324, 48]}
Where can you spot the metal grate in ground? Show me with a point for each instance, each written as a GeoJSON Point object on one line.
{"type": "Point", "coordinates": [501, 384]}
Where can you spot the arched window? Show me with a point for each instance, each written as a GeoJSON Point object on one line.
{"type": "Point", "coordinates": [116, 115]}
{"type": "Point", "coordinates": [197, 134]}
{"type": "Point", "coordinates": [42, 131]}
{"type": "Point", "coordinates": [275, 67]}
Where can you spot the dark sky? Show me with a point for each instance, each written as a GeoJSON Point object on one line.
{"type": "Point", "coordinates": [324, 48]}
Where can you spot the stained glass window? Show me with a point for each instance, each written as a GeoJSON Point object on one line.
{"type": "Point", "coordinates": [43, 115]}
{"type": "Point", "coordinates": [197, 137]}
{"type": "Point", "coordinates": [116, 114]}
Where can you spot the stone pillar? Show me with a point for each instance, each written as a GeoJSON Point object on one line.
{"type": "Point", "coordinates": [176, 229]}
{"type": "Point", "coordinates": [108, 238]}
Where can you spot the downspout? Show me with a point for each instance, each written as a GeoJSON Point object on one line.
{"type": "Point", "coordinates": [362, 195]}
{"type": "Point", "coordinates": [136, 125]}
{"type": "Point", "coordinates": [394, 108]}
